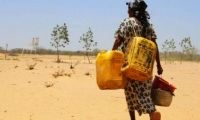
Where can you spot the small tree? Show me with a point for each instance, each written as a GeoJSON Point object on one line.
{"type": "Point", "coordinates": [59, 37]}
{"type": "Point", "coordinates": [88, 42]}
{"type": "Point", "coordinates": [186, 47]}
{"type": "Point", "coordinates": [168, 46]}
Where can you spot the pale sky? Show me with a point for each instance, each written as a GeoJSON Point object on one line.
{"type": "Point", "coordinates": [23, 20]}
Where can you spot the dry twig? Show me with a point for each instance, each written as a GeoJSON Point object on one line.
{"type": "Point", "coordinates": [73, 66]}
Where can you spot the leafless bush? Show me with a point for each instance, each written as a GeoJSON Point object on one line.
{"type": "Point", "coordinates": [61, 73]}
{"type": "Point", "coordinates": [31, 67]}
{"type": "Point", "coordinates": [73, 66]}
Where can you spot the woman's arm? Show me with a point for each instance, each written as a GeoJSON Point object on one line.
{"type": "Point", "coordinates": [159, 67]}
{"type": "Point", "coordinates": [117, 42]}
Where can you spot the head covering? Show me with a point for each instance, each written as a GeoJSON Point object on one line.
{"type": "Point", "coordinates": [138, 7]}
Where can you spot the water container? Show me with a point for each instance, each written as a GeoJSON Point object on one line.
{"type": "Point", "coordinates": [139, 59]}
{"type": "Point", "coordinates": [160, 83]}
{"type": "Point", "coordinates": [108, 70]}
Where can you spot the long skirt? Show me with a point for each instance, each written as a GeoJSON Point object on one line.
{"type": "Point", "coordinates": [138, 96]}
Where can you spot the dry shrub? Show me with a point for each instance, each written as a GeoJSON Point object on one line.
{"type": "Point", "coordinates": [88, 73]}
{"type": "Point", "coordinates": [49, 84]}
{"type": "Point", "coordinates": [61, 73]}
{"type": "Point", "coordinates": [31, 67]}
{"type": "Point", "coordinates": [73, 66]}
{"type": "Point", "coordinates": [68, 74]}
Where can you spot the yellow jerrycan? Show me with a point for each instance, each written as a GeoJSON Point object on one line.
{"type": "Point", "coordinates": [139, 59]}
{"type": "Point", "coordinates": [108, 70]}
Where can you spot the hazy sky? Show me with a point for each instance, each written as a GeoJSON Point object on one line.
{"type": "Point", "coordinates": [23, 20]}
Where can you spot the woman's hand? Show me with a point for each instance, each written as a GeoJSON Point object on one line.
{"type": "Point", "coordinates": [159, 69]}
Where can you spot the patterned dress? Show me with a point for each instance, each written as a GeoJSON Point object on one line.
{"type": "Point", "coordinates": [138, 94]}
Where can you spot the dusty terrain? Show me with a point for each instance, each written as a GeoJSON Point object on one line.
{"type": "Point", "coordinates": [37, 95]}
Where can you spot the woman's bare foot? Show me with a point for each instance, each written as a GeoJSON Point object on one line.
{"type": "Point", "coordinates": [155, 116]}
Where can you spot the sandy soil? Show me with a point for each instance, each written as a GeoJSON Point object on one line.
{"type": "Point", "coordinates": [24, 94]}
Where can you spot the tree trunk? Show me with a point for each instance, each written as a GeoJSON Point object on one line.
{"type": "Point", "coordinates": [58, 59]}
{"type": "Point", "coordinates": [88, 57]}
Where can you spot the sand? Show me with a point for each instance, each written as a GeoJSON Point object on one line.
{"type": "Point", "coordinates": [24, 94]}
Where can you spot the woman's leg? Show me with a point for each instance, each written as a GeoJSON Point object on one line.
{"type": "Point", "coordinates": [132, 115]}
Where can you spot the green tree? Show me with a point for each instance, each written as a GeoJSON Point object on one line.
{"type": "Point", "coordinates": [59, 38]}
{"type": "Point", "coordinates": [186, 46]}
{"type": "Point", "coordinates": [88, 41]}
{"type": "Point", "coordinates": [168, 47]}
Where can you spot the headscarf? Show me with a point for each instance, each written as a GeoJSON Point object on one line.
{"type": "Point", "coordinates": [138, 7]}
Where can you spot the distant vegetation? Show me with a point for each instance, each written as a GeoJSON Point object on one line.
{"type": "Point", "coordinates": [60, 39]}
{"type": "Point", "coordinates": [188, 51]}
{"type": "Point", "coordinates": [176, 56]}
{"type": "Point", "coordinates": [170, 58]}
{"type": "Point", "coordinates": [43, 51]}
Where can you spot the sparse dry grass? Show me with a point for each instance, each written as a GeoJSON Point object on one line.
{"type": "Point", "coordinates": [49, 84]}
{"type": "Point", "coordinates": [61, 73]}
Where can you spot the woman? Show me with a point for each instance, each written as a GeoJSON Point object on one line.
{"type": "Point", "coordinates": [137, 93]}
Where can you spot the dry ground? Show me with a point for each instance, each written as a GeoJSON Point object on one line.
{"type": "Point", "coordinates": [24, 94]}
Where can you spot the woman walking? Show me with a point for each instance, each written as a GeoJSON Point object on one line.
{"type": "Point", "coordinates": [138, 94]}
